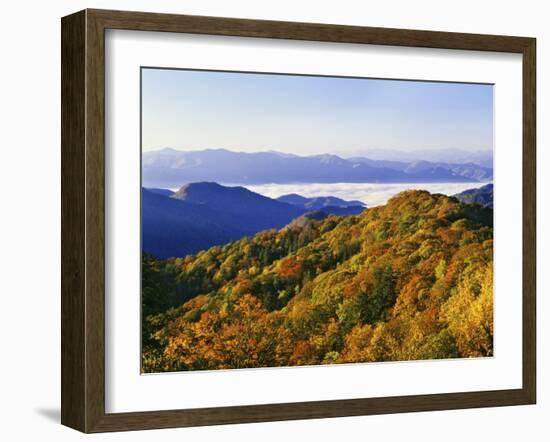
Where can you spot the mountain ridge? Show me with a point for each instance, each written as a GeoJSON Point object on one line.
{"type": "Point", "coordinates": [318, 202]}
{"type": "Point", "coordinates": [169, 168]}
{"type": "Point", "coordinates": [204, 214]}
{"type": "Point", "coordinates": [482, 196]}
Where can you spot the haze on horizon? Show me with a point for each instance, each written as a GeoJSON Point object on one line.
{"type": "Point", "coordinates": [308, 115]}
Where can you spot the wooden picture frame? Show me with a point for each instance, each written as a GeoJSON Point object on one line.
{"type": "Point", "coordinates": [83, 220]}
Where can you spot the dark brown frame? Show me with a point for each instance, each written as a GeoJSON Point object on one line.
{"type": "Point", "coordinates": [83, 217]}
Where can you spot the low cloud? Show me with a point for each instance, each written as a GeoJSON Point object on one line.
{"type": "Point", "coordinates": [369, 193]}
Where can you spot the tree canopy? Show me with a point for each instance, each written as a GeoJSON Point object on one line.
{"type": "Point", "coordinates": [409, 280]}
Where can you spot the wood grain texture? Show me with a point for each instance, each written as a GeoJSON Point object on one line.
{"type": "Point", "coordinates": [83, 220]}
{"type": "Point", "coordinates": [95, 222]}
{"type": "Point", "coordinates": [73, 254]}
{"type": "Point", "coordinates": [529, 221]}
{"type": "Point", "coordinates": [144, 21]}
{"type": "Point", "coordinates": [308, 410]}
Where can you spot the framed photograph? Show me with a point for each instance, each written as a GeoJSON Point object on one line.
{"type": "Point", "coordinates": [268, 220]}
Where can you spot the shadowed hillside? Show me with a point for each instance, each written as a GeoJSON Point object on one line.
{"type": "Point", "coordinates": [482, 196]}
{"type": "Point", "coordinates": [201, 215]}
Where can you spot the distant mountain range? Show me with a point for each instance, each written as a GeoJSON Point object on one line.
{"type": "Point", "coordinates": [168, 168]}
{"type": "Point", "coordinates": [433, 171]}
{"type": "Point", "coordinates": [201, 215]}
{"type": "Point", "coordinates": [318, 203]}
{"type": "Point", "coordinates": [482, 196]}
{"type": "Point", "coordinates": [457, 156]}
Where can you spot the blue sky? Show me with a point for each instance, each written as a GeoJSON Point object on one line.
{"type": "Point", "coordinates": [306, 115]}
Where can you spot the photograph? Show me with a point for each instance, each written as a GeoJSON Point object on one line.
{"type": "Point", "coordinates": [303, 220]}
{"type": "Point", "coordinates": [285, 218]}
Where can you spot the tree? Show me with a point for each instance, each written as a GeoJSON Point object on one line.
{"type": "Point", "coordinates": [379, 296]}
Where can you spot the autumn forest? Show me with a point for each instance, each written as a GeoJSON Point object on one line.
{"type": "Point", "coordinates": [408, 280]}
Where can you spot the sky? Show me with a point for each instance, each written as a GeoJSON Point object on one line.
{"type": "Point", "coordinates": [306, 115]}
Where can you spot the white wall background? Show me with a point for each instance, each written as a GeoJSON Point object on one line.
{"type": "Point", "coordinates": [30, 233]}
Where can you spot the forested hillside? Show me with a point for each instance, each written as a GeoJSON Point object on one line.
{"type": "Point", "coordinates": [409, 280]}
